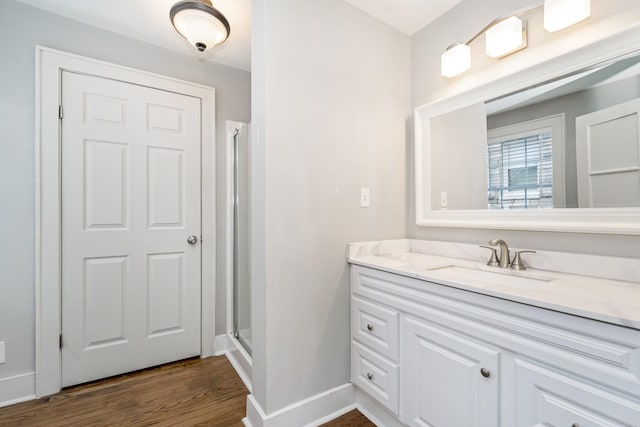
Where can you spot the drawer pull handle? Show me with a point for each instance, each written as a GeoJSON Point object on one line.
{"type": "Point", "coordinates": [369, 327]}
{"type": "Point", "coordinates": [485, 373]}
{"type": "Point", "coordinates": [575, 425]}
{"type": "Point", "coordinates": [369, 376]}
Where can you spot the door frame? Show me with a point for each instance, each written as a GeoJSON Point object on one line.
{"type": "Point", "coordinates": [49, 66]}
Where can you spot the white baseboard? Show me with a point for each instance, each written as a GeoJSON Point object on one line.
{"type": "Point", "coordinates": [221, 344]}
{"type": "Point", "coordinates": [241, 362]}
{"type": "Point", "coordinates": [226, 345]}
{"type": "Point", "coordinates": [19, 388]}
{"type": "Point", "coordinates": [310, 412]}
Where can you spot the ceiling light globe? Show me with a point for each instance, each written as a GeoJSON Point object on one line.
{"type": "Point", "coordinates": [505, 37]}
{"type": "Point", "coordinates": [456, 60]}
{"type": "Point", "coordinates": [560, 14]}
{"type": "Point", "coordinates": [200, 24]}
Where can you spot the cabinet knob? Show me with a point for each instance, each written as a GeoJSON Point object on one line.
{"type": "Point", "coordinates": [576, 425]}
{"type": "Point", "coordinates": [485, 373]}
{"type": "Point", "coordinates": [369, 327]}
{"type": "Point", "coordinates": [369, 376]}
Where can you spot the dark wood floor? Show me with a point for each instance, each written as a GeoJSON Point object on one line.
{"type": "Point", "coordinates": [351, 419]}
{"type": "Point", "coordinates": [196, 392]}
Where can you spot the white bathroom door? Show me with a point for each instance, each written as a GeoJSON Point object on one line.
{"type": "Point", "coordinates": [608, 157]}
{"type": "Point", "coordinates": [131, 281]}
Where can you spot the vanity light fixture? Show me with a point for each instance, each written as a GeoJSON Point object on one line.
{"type": "Point", "coordinates": [505, 37]}
{"type": "Point", "coordinates": [456, 60]}
{"type": "Point", "coordinates": [560, 14]}
{"type": "Point", "coordinates": [198, 22]}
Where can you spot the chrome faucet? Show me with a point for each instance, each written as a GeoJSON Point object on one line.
{"type": "Point", "coordinates": [504, 258]}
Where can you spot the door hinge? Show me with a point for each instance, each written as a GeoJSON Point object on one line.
{"type": "Point", "coordinates": [60, 340]}
{"type": "Point", "coordinates": [60, 112]}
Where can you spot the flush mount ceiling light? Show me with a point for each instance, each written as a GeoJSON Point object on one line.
{"type": "Point", "coordinates": [560, 14]}
{"type": "Point", "coordinates": [505, 37]}
{"type": "Point", "coordinates": [456, 60]}
{"type": "Point", "coordinates": [200, 23]}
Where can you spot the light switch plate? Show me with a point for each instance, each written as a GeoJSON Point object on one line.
{"type": "Point", "coordinates": [364, 198]}
{"type": "Point", "coordinates": [2, 359]}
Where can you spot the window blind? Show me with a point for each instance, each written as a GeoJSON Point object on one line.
{"type": "Point", "coordinates": [520, 172]}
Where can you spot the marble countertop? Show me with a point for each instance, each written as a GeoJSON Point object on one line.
{"type": "Point", "coordinates": [614, 299]}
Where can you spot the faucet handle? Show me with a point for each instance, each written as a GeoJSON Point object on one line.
{"type": "Point", "coordinates": [517, 263]}
{"type": "Point", "coordinates": [493, 261]}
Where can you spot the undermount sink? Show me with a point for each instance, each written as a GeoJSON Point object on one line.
{"type": "Point", "coordinates": [505, 278]}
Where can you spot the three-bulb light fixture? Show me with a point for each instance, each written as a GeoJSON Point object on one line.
{"type": "Point", "coordinates": [198, 22]}
{"type": "Point", "coordinates": [505, 36]}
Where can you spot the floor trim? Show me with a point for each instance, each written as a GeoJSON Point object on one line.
{"type": "Point", "coordinates": [309, 412]}
{"type": "Point", "coordinates": [241, 362]}
{"type": "Point", "coordinates": [17, 389]}
{"type": "Point", "coordinates": [221, 345]}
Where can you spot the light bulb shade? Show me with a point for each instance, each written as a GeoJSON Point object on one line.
{"type": "Point", "coordinates": [560, 14]}
{"type": "Point", "coordinates": [456, 60]}
{"type": "Point", "coordinates": [505, 37]}
{"type": "Point", "coordinates": [200, 24]}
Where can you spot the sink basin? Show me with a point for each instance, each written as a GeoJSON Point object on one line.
{"type": "Point", "coordinates": [470, 274]}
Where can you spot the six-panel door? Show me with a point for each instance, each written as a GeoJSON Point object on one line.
{"type": "Point", "coordinates": [130, 200]}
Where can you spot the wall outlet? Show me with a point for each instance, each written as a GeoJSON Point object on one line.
{"type": "Point", "coordinates": [364, 198]}
{"type": "Point", "coordinates": [2, 359]}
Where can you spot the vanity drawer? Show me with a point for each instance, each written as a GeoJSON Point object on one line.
{"type": "Point", "coordinates": [376, 376]}
{"type": "Point", "coordinates": [375, 326]}
{"type": "Point", "coordinates": [546, 396]}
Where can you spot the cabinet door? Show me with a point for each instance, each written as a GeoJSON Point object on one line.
{"type": "Point", "coordinates": [550, 398]}
{"type": "Point", "coordinates": [448, 379]}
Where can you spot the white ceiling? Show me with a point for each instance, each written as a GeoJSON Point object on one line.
{"type": "Point", "coordinates": [407, 16]}
{"type": "Point", "coordinates": [148, 21]}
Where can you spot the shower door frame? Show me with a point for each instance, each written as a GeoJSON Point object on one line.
{"type": "Point", "coordinates": [231, 314]}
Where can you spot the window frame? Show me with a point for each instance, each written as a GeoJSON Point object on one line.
{"type": "Point", "coordinates": [556, 123]}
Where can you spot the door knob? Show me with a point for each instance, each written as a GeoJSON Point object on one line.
{"type": "Point", "coordinates": [192, 240]}
{"type": "Point", "coordinates": [485, 372]}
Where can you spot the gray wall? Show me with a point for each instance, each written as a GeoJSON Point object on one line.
{"type": "Point", "coordinates": [21, 28]}
{"type": "Point", "coordinates": [331, 97]}
{"type": "Point", "coordinates": [572, 105]}
{"type": "Point", "coordinates": [459, 24]}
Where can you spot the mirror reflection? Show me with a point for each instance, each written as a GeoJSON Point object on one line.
{"type": "Point", "coordinates": [570, 143]}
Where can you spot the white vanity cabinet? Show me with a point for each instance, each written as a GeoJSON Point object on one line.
{"type": "Point", "coordinates": [438, 356]}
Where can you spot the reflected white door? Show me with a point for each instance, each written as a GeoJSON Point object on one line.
{"type": "Point", "coordinates": [130, 200]}
{"type": "Point", "coordinates": [608, 156]}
